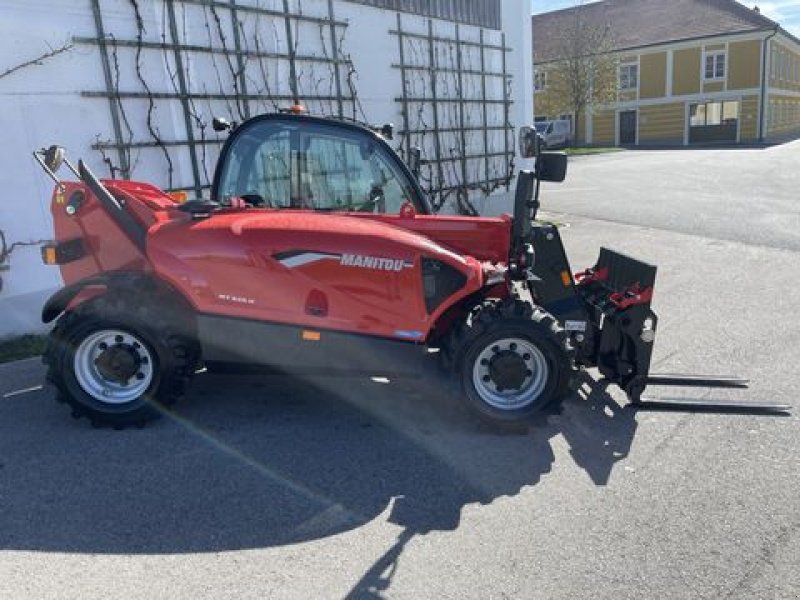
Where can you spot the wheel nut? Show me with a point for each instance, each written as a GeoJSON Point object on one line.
{"type": "Point", "coordinates": [495, 349]}
{"type": "Point", "coordinates": [119, 339]}
{"type": "Point", "coordinates": [144, 360]}
{"type": "Point", "coordinates": [526, 357]}
{"type": "Point", "coordinates": [103, 346]}
{"type": "Point", "coordinates": [140, 376]}
{"type": "Point", "coordinates": [513, 347]}
{"type": "Point", "coordinates": [484, 363]}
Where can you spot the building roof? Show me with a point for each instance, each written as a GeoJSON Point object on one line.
{"type": "Point", "coordinates": [637, 23]}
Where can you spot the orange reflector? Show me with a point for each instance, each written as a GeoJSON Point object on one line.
{"type": "Point", "coordinates": [312, 336]}
{"type": "Point", "coordinates": [297, 109]}
{"type": "Point", "coordinates": [566, 278]}
{"type": "Point", "coordinates": [49, 255]}
{"type": "Point", "coordinates": [179, 197]}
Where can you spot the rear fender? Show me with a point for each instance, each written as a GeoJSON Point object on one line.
{"type": "Point", "coordinates": [98, 285]}
{"type": "Point", "coordinates": [58, 302]}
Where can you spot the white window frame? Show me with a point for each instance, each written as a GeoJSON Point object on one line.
{"type": "Point", "coordinates": [536, 75]}
{"type": "Point", "coordinates": [715, 54]}
{"type": "Point", "coordinates": [629, 87]}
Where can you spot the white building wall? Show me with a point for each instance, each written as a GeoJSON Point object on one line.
{"type": "Point", "coordinates": [42, 104]}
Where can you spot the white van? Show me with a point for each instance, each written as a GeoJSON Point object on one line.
{"type": "Point", "coordinates": [557, 134]}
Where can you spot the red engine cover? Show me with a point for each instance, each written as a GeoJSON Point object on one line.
{"type": "Point", "coordinates": [329, 271]}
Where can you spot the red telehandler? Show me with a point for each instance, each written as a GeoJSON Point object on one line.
{"type": "Point", "coordinates": [317, 251]}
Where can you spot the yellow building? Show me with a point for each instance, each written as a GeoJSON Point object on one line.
{"type": "Point", "coordinates": [689, 72]}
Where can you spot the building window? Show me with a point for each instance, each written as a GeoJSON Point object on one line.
{"type": "Point", "coordinates": [715, 66]}
{"type": "Point", "coordinates": [714, 113]}
{"type": "Point", "coordinates": [714, 122]}
{"type": "Point", "coordinates": [782, 64]}
{"type": "Point", "coordinates": [629, 77]}
{"type": "Point", "coordinates": [539, 81]}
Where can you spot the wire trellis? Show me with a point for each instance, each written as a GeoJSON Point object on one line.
{"type": "Point", "coordinates": [251, 58]}
{"type": "Point", "coordinates": [451, 111]}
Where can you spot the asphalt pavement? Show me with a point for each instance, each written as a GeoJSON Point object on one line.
{"type": "Point", "coordinates": [737, 194]}
{"type": "Point", "coordinates": [269, 487]}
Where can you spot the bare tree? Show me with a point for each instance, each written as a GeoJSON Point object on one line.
{"type": "Point", "coordinates": [583, 73]}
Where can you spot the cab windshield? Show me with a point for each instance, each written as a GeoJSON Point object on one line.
{"type": "Point", "coordinates": [309, 165]}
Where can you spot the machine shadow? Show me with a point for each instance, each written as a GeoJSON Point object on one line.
{"type": "Point", "coordinates": [253, 462]}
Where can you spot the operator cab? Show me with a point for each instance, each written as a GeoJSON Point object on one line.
{"type": "Point", "coordinates": [295, 161]}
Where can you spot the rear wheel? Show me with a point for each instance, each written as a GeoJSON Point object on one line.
{"type": "Point", "coordinates": [118, 365]}
{"type": "Point", "coordinates": [514, 360]}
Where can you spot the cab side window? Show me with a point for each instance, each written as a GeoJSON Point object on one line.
{"type": "Point", "coordinates": [352, 174]}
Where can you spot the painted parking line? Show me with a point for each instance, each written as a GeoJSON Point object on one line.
{"type": "Point", "coordinates": [35, 388]}
{"type": "Point", "coordinates": [550, 190]}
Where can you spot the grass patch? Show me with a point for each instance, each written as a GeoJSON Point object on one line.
{"type": "Point", "coordinates": [24, 346]}
{"type": "Point", "coordinates": [581, 151]}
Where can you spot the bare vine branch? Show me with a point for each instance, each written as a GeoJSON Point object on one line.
{"type": "Point", "coordinates": [39, 60]}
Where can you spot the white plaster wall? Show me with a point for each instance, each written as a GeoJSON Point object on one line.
{"type": "Point", "coordinates": [42, 104]}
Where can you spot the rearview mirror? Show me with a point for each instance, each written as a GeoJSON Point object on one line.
{"type": "Point", "coordinates": [531, 142]}
{"type": "Point", "coordinates": [551, 166]}
{"type": "Point", "coordinates": [54, 158]}
{"type": "Point", "coordinates": [220, 124]}
{"type": "Point", "coordinates": [528, 143]}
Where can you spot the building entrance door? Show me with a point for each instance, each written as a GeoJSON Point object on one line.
{"type": "Point", "coordinates": [627, 127]}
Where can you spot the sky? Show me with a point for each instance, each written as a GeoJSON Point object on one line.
{"type": "Point", "coordinates": [785, 12]}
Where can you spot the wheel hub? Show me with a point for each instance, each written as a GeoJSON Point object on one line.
{"type": "Point", "coordinates": [510, 374]}
{"type": "Point", "coordinates": [118, 363]}
{"type": "Point", "coordinates": [508, 371]}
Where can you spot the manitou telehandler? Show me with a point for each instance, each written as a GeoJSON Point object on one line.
{"type": "Point", "coordinates": [317, 251]}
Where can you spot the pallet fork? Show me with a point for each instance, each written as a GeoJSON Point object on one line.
{"type": "Point", "coordinates": [617, 292]}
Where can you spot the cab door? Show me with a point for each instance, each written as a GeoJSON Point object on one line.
{"type": "Point", "coordinates": [290, 161]}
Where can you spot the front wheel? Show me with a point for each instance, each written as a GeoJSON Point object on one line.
{"type": "Point", "coordinates": [514, 361]}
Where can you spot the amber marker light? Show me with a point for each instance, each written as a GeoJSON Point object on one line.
{"type": "Point", "coordinates": [179, 197]}
{"type": "Point", "coordinates": [49, 255]}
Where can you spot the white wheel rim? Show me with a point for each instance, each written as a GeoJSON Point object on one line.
{"type": "Point", "coordinates": [532, 385]}
{"type": "Point", "coordinates": [94, 358]}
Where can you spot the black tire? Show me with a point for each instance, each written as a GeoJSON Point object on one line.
{"type": "Point", "coordinates": [165, 337]}
{"type": "Point", "coordinates": [513, 319]}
